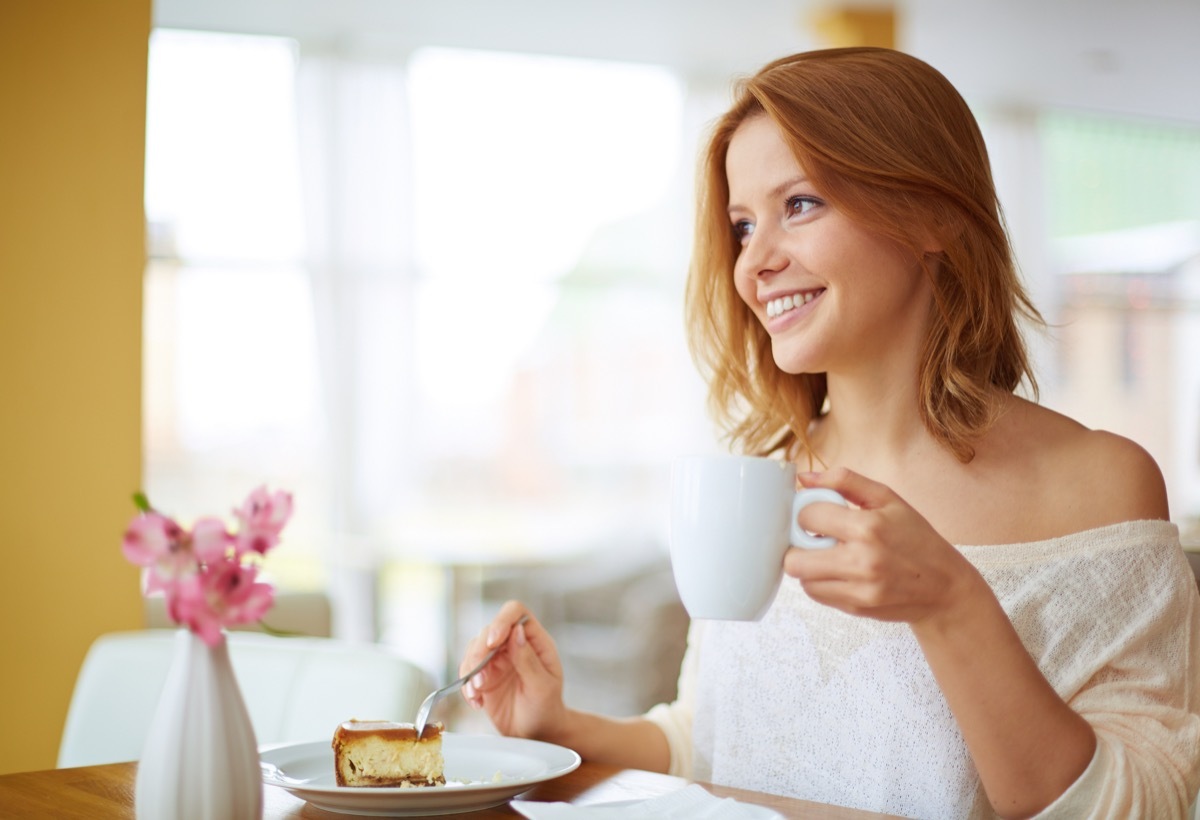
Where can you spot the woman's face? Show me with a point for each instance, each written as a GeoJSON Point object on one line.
{"type": "Point", "coordinates": [833, 296]}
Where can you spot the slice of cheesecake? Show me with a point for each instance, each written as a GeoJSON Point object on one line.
{"type": "Point", "coordinates": [381, 753]}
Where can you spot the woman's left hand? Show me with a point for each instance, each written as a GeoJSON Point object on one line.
{"type": "Point", "coordinates": [888, 564]}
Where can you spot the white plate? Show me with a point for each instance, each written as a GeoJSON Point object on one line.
{"type": "Point", "coordinates": [481, 771]}
{"type": "Point", "coordinates": [748, 811]}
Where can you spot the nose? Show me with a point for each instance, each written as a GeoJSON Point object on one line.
{"type": "Point", "coordinates": [762, 255]}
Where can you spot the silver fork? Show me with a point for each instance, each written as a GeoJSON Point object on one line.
{"type": "Point", "coordinates": [434, 697]}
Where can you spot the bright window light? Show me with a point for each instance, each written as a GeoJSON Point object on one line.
{"type": "Point", "coordinates": [519, 160]}
{"type": "Point", "coordinates": [221, 145]}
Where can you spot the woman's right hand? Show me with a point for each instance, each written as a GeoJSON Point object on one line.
{"type": "Point", "coordinates": [521, 689]}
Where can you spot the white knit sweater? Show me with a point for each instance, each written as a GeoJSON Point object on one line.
{"type": "Point", "coordinates": [817, 704]}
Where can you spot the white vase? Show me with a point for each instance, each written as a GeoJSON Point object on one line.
{"type": "Point", "coordinates": [200, 761]}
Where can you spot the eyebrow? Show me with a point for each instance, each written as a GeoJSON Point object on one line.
{"type": "Point", "coordinates": [775, 192]}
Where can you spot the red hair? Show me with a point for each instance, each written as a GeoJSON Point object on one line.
{"type": "Point", "coordinates": [890, 143]}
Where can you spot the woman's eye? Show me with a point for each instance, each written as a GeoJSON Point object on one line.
{"type": "Point", "coordinates": [742, 229]}
{"type": "Point", "coordinates": [800, 205]}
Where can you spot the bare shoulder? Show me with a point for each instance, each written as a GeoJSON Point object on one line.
{"type": "Point", "coordinates": [1094, 476]}
{"type": "Point", "coordinates": [1123, 474]}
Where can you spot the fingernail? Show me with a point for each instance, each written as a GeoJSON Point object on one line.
{"type": "Point", "coordinates": [477, 681]}
{"type": "Point", "coordinates": [468, 691]}
{"type": "Point", "coordinates": [493, 635]}
{"type": "Point", "coordinates": [520, 634]}
{"type": "Point", "coordinates": [808, 476]}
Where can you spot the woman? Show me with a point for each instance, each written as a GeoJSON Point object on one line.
{"type": "Point", "coordinates": [855, 305]}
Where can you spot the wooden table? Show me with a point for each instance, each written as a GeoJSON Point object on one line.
{"type": "Point", "coordinates": [98, 792]}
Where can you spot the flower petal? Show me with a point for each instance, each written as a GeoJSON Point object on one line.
{"type": "Point", "coordinates": [150, 538]}
{"type": "Point", "coordinates": [210, 539]}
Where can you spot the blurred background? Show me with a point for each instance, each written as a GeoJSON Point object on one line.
{"type": "Point", "coordinates": [447, 245]}
{"type": "Point", "coordinates": [422, 265]}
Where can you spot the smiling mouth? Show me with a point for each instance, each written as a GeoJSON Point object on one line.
{"type": "Point", "coordinates": [780, 306]}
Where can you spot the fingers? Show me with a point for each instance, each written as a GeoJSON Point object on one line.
{"type": "Point", "coordinates": [889, 563]}
{"type": "Point", "coordinates": [838, 522]}
{"type": "Point", "coordinates": [857, 489]}
{"type": "Point", "coordinates": [809, 565]}
{"type": "Point", "coordinates": [476, 649]}
{"type": "Point", "coordinates": [491, 636]}
{"type": "Point", "coordinates": [498, 631]}
{"type": "Point", "coordinates": [525, 659]}
{"type": "Point", "coordinates": [505, 626]}
{"type": "Point", "coordinates": [494, 634]}
{"type": "Point", "coordinates": [527, 650]}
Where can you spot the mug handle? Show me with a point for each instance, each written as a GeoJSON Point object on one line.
{"type": "Point", "coordinates": [800, 536]}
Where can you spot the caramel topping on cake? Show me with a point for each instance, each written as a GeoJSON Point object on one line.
{"type": "Point", "coordinates": [387, 730]}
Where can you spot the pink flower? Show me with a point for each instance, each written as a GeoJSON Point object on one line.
{"type": "Point", "coordinates": [150, 537]}
{"type": "Point", "coordinates": [208, 575]}
{"type": "Point", "coordinates": [210, 540]}
{"type": "Point", "coordinates": [262, 517]}
{"type": "Point", "coordinates": [161, 545]}
{"type": "Point", "coordinates": [223, 594]}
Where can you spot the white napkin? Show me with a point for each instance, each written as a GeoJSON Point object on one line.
{"type": "Point", "coordinates": [690, 803]}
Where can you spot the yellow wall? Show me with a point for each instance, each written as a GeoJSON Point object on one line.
{"type": "Point", "coordinates": [72, 134]}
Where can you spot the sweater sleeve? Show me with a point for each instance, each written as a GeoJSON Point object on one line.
{"type": "Point", "coordinates": [675, 718]}
{"type": "Point", "coordinates": [1143, 703]}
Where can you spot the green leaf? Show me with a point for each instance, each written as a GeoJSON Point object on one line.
{"type": "Point", "coordinates": [142, 502]}
{"type": "Point", "coordinates": [278, 633]}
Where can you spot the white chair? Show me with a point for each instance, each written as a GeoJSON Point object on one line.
{"type": "Point", "coordinates": [296, 689]}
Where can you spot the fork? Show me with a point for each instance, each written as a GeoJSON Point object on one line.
{"type": "Point", "coordinates": [434, 697]}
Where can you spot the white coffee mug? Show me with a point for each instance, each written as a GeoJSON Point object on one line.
{"type": "Point", "coordinates": [732, 519]}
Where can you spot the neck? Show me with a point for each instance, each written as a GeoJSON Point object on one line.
{"type": "Point", "coordinates": [872, 423]}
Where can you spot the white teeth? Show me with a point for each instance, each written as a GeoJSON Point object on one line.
{"type": "Point", "coordinates": [777, 307]}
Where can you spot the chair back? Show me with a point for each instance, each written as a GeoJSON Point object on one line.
{"type": "Point", "coordinates": [295, 611]}
{"type": "Point", "coordinates": [295, 689]}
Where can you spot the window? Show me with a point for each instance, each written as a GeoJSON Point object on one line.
{"type": "Point", "coordinates": [1125, 221]}
{"type": "Point", "coordinates": [439, 299]}
{"type": "Point", "coordinates": [230, 380]}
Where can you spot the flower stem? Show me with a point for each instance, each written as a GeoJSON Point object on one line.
{"type": "Point", "coordinates": [278, 633]}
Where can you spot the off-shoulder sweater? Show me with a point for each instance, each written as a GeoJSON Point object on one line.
{"type": "Point", "coordinates": [813, 703]}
